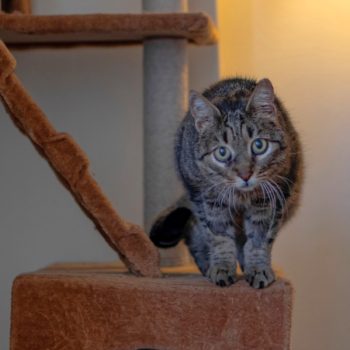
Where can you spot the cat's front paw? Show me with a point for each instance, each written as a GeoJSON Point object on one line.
{"type": "Point", "coordinates": [223, 274]}
{"type": "Point", "coordinates": [259, 277]}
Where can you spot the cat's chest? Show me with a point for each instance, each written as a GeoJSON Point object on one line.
{"type": "Point", "coordinates": [226, 205]}
{"type": "Point", "coordinates": [233, 211]}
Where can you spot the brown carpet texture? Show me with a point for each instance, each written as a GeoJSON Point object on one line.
{"type": "Point", "coordinates": [72, 166]}
{"type": "Point", "coordinates": [38, 29]}
{"type": "Point", "coordinates": [96, 308]}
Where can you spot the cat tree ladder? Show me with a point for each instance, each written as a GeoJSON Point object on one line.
{"type": "Point", "coordinates": [165, 29]}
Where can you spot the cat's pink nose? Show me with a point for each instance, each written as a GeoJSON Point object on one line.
{"type": "Point", "coordinates": [245, 175]}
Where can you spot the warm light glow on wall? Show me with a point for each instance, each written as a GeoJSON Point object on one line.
{"type": "Point", "coordinates": [252, 31]}
{"type": "Point", "coordinates": [235, 28]}
{"type": "Point", "coordinates": [304, 48]}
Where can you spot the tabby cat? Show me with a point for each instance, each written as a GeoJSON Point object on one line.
{"type": "Point", "coordinates": [239, 158]}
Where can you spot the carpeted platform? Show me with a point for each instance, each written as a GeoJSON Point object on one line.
{"type": "Point", "coordinates": [105, 28]}
{"type": "Point", "coordinates": [99, 307]}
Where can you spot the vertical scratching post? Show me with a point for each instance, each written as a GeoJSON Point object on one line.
{"type": "Point", "coordinates": [165, 102]}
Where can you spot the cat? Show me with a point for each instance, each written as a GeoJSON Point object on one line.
{"type": "Point", "coordinates": [240, 161]}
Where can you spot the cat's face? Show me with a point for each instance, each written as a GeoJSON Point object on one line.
{"type": "Point", "coordinates": [242, 144]}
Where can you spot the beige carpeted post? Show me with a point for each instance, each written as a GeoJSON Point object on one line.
{"type": "Point", "coordinates": [165, 102]}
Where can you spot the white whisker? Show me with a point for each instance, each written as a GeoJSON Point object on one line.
{"type": "Point", "coordinates": [288, 182]}
{"type": "Point", "coordinates": [280, 196]}
{"type": "Point", "coordinates": [272, 198]}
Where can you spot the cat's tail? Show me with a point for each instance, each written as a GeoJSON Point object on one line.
{"type": "Point", "coordinates": [172, 224]}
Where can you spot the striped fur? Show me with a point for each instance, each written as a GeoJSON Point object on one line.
{"type": "Point", "coordinates": [238, 204]}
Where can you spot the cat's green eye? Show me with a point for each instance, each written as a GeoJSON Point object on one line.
{"type": "Point", "coordinates": [259, 146]}
{"type": "Point", "coordinates": [222, 154]}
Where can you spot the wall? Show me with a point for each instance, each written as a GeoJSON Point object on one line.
{"type": "Point", "coordinates": [303, 47]}
{"type": "Point", "coordinates": [95, 94]}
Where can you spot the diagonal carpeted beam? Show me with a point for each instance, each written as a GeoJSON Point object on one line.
{"type": "Point", "coordinates": [72, 166]}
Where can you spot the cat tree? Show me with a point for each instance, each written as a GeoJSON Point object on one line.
{"type": "Point", "coordinates": [102, 306]}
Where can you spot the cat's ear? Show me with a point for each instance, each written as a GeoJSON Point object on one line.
{"type": "Point", "coordinates": [263, 98]}
{"type": "Point", "coordinates": [203, 111]}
